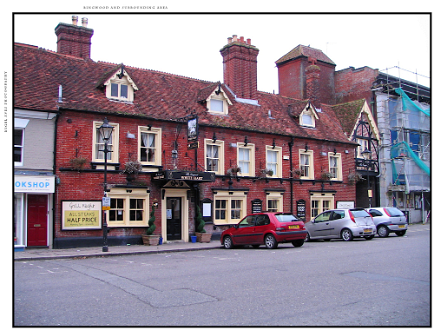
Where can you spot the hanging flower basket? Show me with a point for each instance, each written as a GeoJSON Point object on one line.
{"type": "Point", "coordinates": [78, 163]}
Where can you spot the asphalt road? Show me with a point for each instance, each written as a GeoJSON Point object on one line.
{"type": "Point", "coordinates": [383, 282]}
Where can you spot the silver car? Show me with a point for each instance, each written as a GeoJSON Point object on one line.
{"type": "Point", "coordinates": [388, 220]}
{"type": "Point", "coordinates": [341, 223]}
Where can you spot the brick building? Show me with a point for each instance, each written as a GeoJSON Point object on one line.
{"type": "Point", "coordinates": [223, 146]}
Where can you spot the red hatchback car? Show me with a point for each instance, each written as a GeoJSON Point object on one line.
{"type": "Point", "coordinates": [270, 228]}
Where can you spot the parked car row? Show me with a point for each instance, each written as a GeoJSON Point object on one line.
{"type": "Point", "coordinates": [272, 228]}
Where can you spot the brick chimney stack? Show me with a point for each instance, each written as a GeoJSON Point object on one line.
{"type": "Point", "coordinates": [73, 39]}
{"type": "Point", "coordinates": [240, 67]}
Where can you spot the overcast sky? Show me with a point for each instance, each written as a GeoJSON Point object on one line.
{"type": "Point", "coordinates": [189, 44]}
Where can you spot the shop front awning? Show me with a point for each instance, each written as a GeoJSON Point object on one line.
{"type": "Point", "coordinates": [194, 176]}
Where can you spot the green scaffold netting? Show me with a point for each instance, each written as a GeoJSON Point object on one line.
{"type": "Point", "coordinates": [408, 104]}
{"type": "Point", "coordinates": [406, 148]}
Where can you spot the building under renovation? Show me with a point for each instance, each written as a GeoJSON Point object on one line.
{"type": "Point", "coordinates": [403, 119]}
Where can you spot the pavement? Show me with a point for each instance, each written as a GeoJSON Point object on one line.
{"type": "Point", "coordinates": [91, 252]}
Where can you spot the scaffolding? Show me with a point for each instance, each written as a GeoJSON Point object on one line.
{"type": "Point", "coordinates": [409, 119]}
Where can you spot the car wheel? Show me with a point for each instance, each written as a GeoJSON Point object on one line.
{"type": "Point", "coordinates": [307, 239]}
{"type": "Point", "coordinates": [401, 233]}
{"type": "Point", "coordinates": [298, 243]}
{"type": "Point", "coordinates": [270, 242]}
{"type": "Point", "coordinates": [369, 237]}
{"type": "Point", "coordinates": [383, 231]}
{"type": "Point", "coordinates": [227, 242]}
{"type": "Point", "coordinates": [347, 235]}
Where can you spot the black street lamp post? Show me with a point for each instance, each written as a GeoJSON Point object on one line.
{"type": "Point", "coordinates": [367, 162]}
{"type": "Point", "coordinates": [105, 132]}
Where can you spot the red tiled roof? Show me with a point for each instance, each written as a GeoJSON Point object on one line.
{"type": "Point", "coordinates": [163, 96]}
{"type": "Point", "coordinates": [305, 51]}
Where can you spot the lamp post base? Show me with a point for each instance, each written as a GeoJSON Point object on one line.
{"type": "Point", "coordinates": [105, 249]}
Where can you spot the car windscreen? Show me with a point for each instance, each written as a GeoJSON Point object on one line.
{"type": "Point", "coordinates": [359, 213]}
{"type": "Point", "coordinates": [286, 217]}
{"type": "Point", "coordinates": [394, 212]}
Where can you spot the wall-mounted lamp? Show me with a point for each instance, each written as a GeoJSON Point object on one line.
{"type": "Point", "coordinates": [214, 138]}
{"type": "Point", "coordinates": [149, 127]}
{"type": "Point", "coordinates": [274, 143]}
{"type": "Point", "coordinates": [334, 151]}
{"type": "Point", "coordinates": [155, 204]}
{"type": "Point", "coordinates": [130, 136]}
{"type": "Point", "coordinates": [306, 147]}
{"type": "Point", "coordinates": [245, 141]}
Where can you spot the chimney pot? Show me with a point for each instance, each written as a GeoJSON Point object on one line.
{"type": "Point", "coordinates": [249, 41]}
{"type": "Point", "coordinates": [234, 38]}
{"type": "Point", "coordinates": [84, 21]}
{"type": "Point", "coordinates": [242, 40]}
{"type": "Point", "coordinates": [74, 19]}
{"type": "Point", "coordinates": [229, 40]}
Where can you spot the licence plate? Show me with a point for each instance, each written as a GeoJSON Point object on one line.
{"type": "Point", "coordinates": [367, 231]}
{"type": "Point", "coordinates": [293, 227]}
{"type": "Point", "coordinates": [401, 226]}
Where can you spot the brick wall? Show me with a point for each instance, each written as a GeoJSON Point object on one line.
{"type": "Point", "coordinates": [75, 138]}
{"type": "Point", "coordinates": [354, 84]}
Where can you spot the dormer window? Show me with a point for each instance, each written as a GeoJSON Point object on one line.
{"type": "Point", "coordinates": [218, 102]}
{"type": "Point", "coordinates": [120, 86]}
{"type": "Point", "coordinates": [308, 116]}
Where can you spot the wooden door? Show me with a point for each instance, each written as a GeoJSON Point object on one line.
{"type": "Point", "coordinates": [37, 220]}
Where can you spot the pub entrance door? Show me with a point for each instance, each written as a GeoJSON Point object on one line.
{"type": "Point", "coordinates": [174, 218]}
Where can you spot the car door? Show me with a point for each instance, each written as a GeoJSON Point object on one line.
{"type": "Point", "coordinates": [336, 223]}
{"type": "Point", "coordinates": [245, 231]}
{"type": "Point", "coordinates": [321, 225]}
{"type": "Point", "coordinates": [261, 226]}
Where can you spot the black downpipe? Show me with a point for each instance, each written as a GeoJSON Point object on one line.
{"type": "Point", "coordinates": [290, 144]}
{"type": "Point", "coordinates": [54, 173]}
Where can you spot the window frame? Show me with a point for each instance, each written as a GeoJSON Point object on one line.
{"type": "Point", "coordinates": [229, 197]}
{"type": "Point", "coordinates": [122, 194]}
{"type": "Point", "coordinates": [278, 150]}
{"type": "Point", "coordinates": [251, 148]}
{"type": "Point", "coordinates": [321, 198]}
{"type": "Point", "coordinates": [309, 154]}
{"type": "Point", "coordinates": [339, 166]}
{"type": "Point", "coordinates": [120, 82]}
{"type": "Point", "coordinates": [275, 196]}
{"type": "Point", "coordinates": [221, 155]}
{"type": "Point", "coordinates": [114, 155]}
{"type": "Point", "coordinates": [21, 146]}
{"type": "Point", "coordinates": [157, 132]}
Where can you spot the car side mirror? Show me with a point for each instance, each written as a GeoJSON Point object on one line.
{"type": "Point", "coordinates": [236, 226]}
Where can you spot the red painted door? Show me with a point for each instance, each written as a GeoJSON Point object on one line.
{"type": "Point", "coordinates": [36, 220]}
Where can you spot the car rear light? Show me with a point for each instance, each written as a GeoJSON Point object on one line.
{"type": "Point", "coordinates": [352, 217]}
{"type": "Point", "coordinates": [385, 210]}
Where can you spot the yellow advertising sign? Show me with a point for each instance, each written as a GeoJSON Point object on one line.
{"type": "Point", "coordinates": [81, 215]}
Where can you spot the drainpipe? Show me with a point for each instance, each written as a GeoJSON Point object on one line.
{"type": "Point", "coordinates": [54, 173]}
{"type": "Point", "coordinates": [290, 144]}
